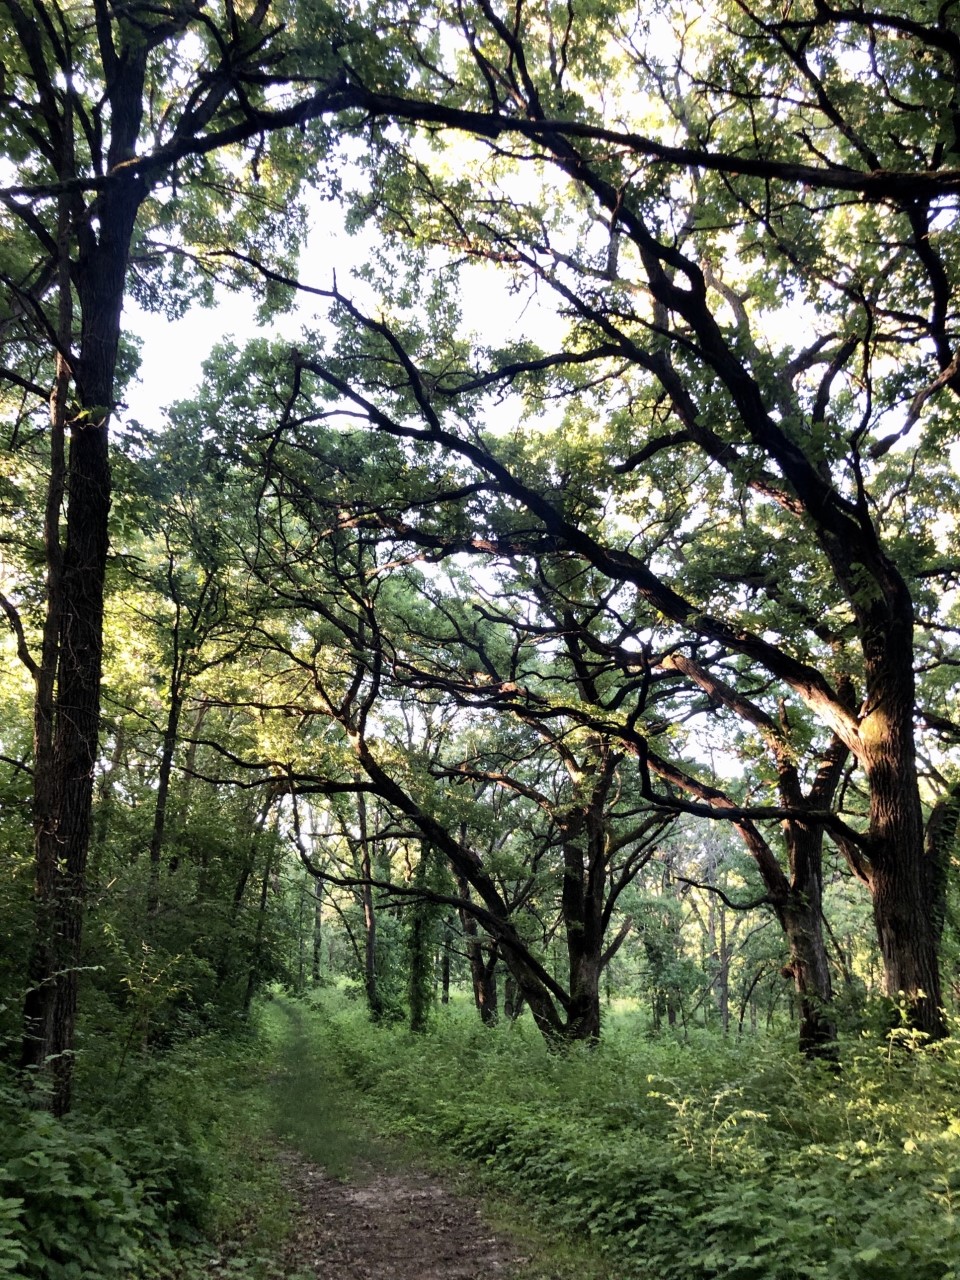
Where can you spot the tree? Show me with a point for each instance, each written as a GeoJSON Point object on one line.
{"type": "Point", "coordinates": [115, 117]}
{"type": "Point", "coordinates": [681, 206]}
{"type": "Point", "coordinates": [767, 497]}
{"type": "Point", "coordinates": [393, 687]}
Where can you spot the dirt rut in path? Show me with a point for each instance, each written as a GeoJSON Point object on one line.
{"type": "Point", "coordinates": [402, 1225]}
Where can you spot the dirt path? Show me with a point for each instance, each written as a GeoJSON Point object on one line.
{"type": "Point", "coordinates": [364, 1207]}
{"type": "Point", "coordinates": [387, 1225]}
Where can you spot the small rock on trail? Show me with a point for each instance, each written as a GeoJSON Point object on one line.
{"type": "Point", "coordinates": [390, 1225]}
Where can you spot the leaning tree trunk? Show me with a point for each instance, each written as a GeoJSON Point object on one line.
{"type": "Point", "coordinates": [541, 992]}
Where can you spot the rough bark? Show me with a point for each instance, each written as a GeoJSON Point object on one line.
{"type": "Point", "coordinates": [840, 524]}
{"type": "Point", "coordinates": [902, 872]}
{"type": "Point", "coordinates": [64, 779]}
{"type": "Point", "coordinates": [582, 902]}
{"type": "Point", "coordinates": [801, 918]}
{"type": "Point", "coordinates": [481, 960]}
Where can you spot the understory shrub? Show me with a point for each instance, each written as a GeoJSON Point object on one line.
{"type": "Point", "coordinates": [74, 1202]}
{"type": "Point", "coordinates": [142, 1179]}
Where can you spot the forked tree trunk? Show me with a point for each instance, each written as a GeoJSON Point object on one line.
{"type": "Point", "coordinates": [483, 967]}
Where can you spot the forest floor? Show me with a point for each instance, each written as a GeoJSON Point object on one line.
{"type": "Point", "coordinates": [363, 1207]}
{"type": "Point", "coordinates": [387, 1224]}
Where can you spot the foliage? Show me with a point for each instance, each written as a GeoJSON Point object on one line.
{"type": "Point", "coordinates": [146, 1175]}
{"type": "Point", "coordinates": [514, 603]}
{"type": "Point", "coordinates": [711, 1159]}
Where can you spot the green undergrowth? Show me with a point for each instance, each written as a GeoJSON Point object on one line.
{"type": "Point", "coordinates": [161, 1164]}
{"type": "Point", "coordinates": [684, 1162]}
{"type": "Point", "coordinates": [311, 1104]}
{"type": "Point", "coordinates": [318, 1105]}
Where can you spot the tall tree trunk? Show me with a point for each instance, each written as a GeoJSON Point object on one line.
{"type": "Point", "coordinates": [445, 960]}
{"type": "Point", "coordinates": [317, 931]}
{"type": "Point", "coordinates": [102, 813]}
{"type": "Point", "coordinates": [240, 888]}
{"type": "Point", "coordinates": [48, 1008]}
{"type": "Point", "coordinates": [722, 980]}
{"type": "Point", "coordinates": [167, 749]}
{"type": "Point", "coordinates": [302, 937]}
{"type": "Point", "coordinates": [256, 954]}
{"type": "Point", "coordinates": [902, 874]}
{"type": "Point", "coordinates": [420, 951]}
{"type": "Point", "coordinates": [68, 691]}
{"type": "Point", "coordinates": [370, 983]}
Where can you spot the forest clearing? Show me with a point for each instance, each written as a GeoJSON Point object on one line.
{"type": "Point", "coordinates": [481, 719]}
